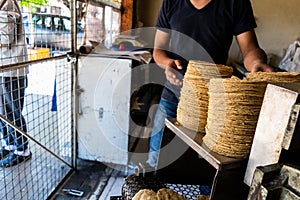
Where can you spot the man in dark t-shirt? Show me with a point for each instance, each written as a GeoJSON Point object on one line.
{"type": "Point", "coordinates": [201, 30]}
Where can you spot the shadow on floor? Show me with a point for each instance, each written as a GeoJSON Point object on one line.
{"type": "Point", "coordinates": [90, 178]}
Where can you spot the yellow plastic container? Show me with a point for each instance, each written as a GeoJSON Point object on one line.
{"type": "Point", "coordinates": [39, 53]}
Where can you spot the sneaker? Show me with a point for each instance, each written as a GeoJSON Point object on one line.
{"type": "Point", "coordinates": [13, 160]}
{"type": "Point", "coordinates": [4, 153]}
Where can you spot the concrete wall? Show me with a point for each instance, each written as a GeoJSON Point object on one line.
{"type": "Point", "coordinates": [278, 23]}
{"type": "Point", "coordinates": [147, 11]}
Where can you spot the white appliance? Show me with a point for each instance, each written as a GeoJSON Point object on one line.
{"type": "Point", "coordinates": [104, 104]}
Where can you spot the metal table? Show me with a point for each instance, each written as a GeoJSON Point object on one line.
{"type": "Point", "coordinates": [228, 181]}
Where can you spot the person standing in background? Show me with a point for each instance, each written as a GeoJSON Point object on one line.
{"type": "Point", "coordinates": [94, 26]}
{"type": "Point", "coordinates": [13, 82]}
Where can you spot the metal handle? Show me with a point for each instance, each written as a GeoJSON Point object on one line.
{"type": "Point", "coordinates": [73, 192]}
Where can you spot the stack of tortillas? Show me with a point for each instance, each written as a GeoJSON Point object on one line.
{"type": "Point", "coordinates": [193, 101]}
{"type": "Point", "coordinates": [234, 107]}
{"type": "Point", "coordinates": [274, 77]}
{"type": "Point", "coordinates": [233, 111]}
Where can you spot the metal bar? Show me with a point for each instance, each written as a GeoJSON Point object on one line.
{"type": "Point", "coordinates": [74, 110]}
{"type": "Point", "coordinates": [291, 127]}
{"type": "Point", "coordinates": [73, 25]}
{"type": "Point", "coordinates": [34, 140]}
{"type": "Point", "coordinates": [240, 68]}
{"type": "Point", "coordinates": [74, 64]}
{"type": "Point", "coordinates": [22, 64]}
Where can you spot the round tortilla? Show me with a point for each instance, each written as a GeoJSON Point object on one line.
{"type": "Point", "coordinates": [145, 194]}
{"type": "Point", "coordinates": [167, 194]}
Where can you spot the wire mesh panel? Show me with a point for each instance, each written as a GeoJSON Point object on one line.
{"type": "Point", "coordinates": [42, 135]}
{"type": "Point", "coordinates": [36, 151]}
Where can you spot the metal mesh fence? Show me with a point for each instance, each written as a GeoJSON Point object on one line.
{"type": "Point", "coordinates": [36, 151]}
{"type": "Point", "coordinates": [36, 86]}
{"type": "Point", "coordinates": [47, 114]}
{"type": "Point", "coordinates": [45, 131]}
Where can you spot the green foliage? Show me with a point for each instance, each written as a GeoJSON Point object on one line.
{"type": "Point", "coordinates": [33, 3]}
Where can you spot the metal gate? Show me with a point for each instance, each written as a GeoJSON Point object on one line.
{"type": "Point", "coordinates": [36, 100]}
{"type": "Point", "coordinates": [48, 114]}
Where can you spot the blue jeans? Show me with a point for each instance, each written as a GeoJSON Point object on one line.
{"type": "Point", "coordinates": [12, 98]}
{"type": "Point", "coordinates": [165, 110]}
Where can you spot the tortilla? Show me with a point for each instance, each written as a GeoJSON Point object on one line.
{"type": "Point", "coordinates": [145, 194]}
{"type": "Point", "coordinates": [167, 194]}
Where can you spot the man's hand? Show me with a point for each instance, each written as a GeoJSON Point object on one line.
{"type": "Point", "coordinates": [254, 57]}
{"type": "Point", "coordinates": [163, 60]}
{"type": "Point", "coordinates": [172, 74]}
{"type": "Point", "coordinates": [262, 68]}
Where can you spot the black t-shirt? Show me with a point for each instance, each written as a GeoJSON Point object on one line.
{"type": "Point", "coordinates": [202, 34]}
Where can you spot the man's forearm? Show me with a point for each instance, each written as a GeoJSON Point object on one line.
{"type": "Point", "coordinates": [161, 58]}
{"type": "Point", "coordinates": [256, 60]}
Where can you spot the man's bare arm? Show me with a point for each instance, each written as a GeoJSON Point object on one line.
{"type": "Point", "coordinates": [255, 58]}
{"type": "Point", "coordinates": [162, 59]}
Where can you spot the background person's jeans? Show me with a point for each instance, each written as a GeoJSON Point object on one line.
{"type": "Point", "coordinates": [165, 110]}
{"type": "Point", "coordinates": [12, 101]}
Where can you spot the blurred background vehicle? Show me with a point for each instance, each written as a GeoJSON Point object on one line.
{"type": "Point", "coordinates": [50, 31]}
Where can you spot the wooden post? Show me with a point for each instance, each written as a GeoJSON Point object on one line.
{"type": "Point", "coordinates": [126, 15]}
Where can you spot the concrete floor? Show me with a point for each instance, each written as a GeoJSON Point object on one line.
{"type": "Point", "coordinates": [94, 179]}
{"type": "Point", "coordinates": [35, 178]}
